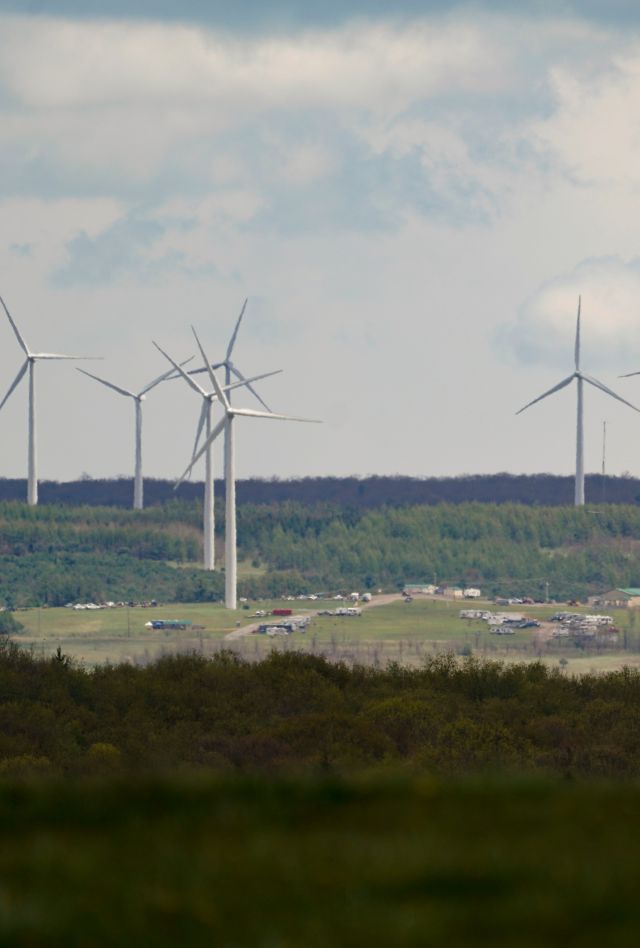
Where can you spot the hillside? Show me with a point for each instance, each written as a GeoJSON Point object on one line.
{"type": "Point", "coordinates": [57, 553]}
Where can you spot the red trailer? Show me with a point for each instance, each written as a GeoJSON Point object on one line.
{"type": "Point", "coordinates": [282, 612]}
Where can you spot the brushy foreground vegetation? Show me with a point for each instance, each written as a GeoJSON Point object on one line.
{"type": "Point", "coordinates": [298, 713]}
{"type": "Point", "coordinates": [56, 554]}
{"type": "Point", "coordinates": [251, 863]}
{"type": "Point", "coordinates": [300, 804]}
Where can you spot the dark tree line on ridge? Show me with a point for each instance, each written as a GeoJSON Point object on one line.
{"type": "Point", "coordinates": [358, 492]}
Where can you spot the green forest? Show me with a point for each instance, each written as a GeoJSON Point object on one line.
{"type": "Point", "coordinates": [295, 712]}
{"type": "Point", "coordinates": [54, 554]}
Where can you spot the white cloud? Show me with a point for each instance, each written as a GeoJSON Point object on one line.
{"type": "Point", "coordinates": [66, 64]}
{"type": "Point", "coordinates": [610, 291]}
{"type": "Point", "coordinates": [117, 105]}
{"type": "Point", "coordinates": [595, 126]}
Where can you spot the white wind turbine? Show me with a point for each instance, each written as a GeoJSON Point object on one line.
{"type": "Point", "coordinates": [138, 398]}
{"type": "Point", "coordinates": [580, 378]}
{"type": "Point", "coordinates": [30, 364]}
{"type": "Point", "coordinates": [227, 425]}
{"type": "Point", "coordinates": [208, 398]}
{"type": "Point", "coordinates": [230, 368]}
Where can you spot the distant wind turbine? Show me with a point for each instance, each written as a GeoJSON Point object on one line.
{"type": "Point", "coordinates": [208, 398]}
{"type": "Point", "coordinates": [30, 364]}
{"type": "Point", "coordinates": [138, 398]}
{"type": "Point", "coordinates": [580, 378]}
{"type": "Point", "coordinates": [227, 425]}
{"type": "Point", "coordinates": [230, 368]}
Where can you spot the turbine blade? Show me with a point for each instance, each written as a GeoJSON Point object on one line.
{"type": "Point", "coordinates": [234, 336]}
{"type": "Point", "coordinates": [16, 381]}
{"type": "Point", "coordinates": [577, 351]}
{"type": "Point", "coordinates": [255, 378]}
{"type": "Point", "coordinates": [607, 391]}
{"type": "Point", "coordinates": [178, 368]}
{"type": "Point", "coordinates": [238, 374]}
{"type": "Point", "coordinates": [116, 388]}
{"type": "Point", "coordinates": [56, 355]}
{"type": "Point", "coordinates": [169, 374]}
{"type": "Point", "coordinates": [196, 457]}
{"type": "Point", "coordinates": [214, 365]}
{"type": "Point", "coordinates": [21, 341]}
{"type": "Point", "coordinates": [249, 413]}
{"type": "Point", "coordinates": [214, 381]}
{"type": "Point", "coordinates": [201, 423]}
{"type": "Point", "coordinates": [556, 388]}
{"type": "Point", "coordinates": [628, 375]}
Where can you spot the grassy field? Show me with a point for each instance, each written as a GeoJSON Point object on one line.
{"type": "Point", "coordinates": [393, 632]}
{"type": "Point", "coordinates": [376, 862]}
{"type": "Point", "coordinates": [119, 634]}
{"type": "Point", "coordinates": [421, 619]}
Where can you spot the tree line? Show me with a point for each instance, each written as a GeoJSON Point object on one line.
{"type": "Point", "coordinates": [547, 490]}
{"type": "Point", "coordinates": [294, 713]}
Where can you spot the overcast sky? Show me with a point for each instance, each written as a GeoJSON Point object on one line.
{"type": "Point", "coordinates": [412, 203]}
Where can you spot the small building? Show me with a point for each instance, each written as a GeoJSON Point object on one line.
{"type": "Point", "coordinates": [453, 592]}
{"type": "Point", "coordinates": [628, 598]}
{"type": "Point", "coordinates": [472, 593]}
{"type": "Point", "coordinates": [418, 589]}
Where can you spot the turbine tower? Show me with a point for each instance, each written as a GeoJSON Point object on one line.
{"type": "Point", "coordinates": [227, 425]}
{"type": "Point", "coordinates": [138, 398]}
{"type": "Point", "coordinates": [580, 377]}
{"type": "Point", "coordinates": [30, 364]}
{"type": "Point", "coordinates": [208, 398]}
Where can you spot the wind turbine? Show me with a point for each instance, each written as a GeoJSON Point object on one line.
{"type": "Point", "coordinates": [230, 368]}
{"type": "Point", "coordinates": [580, 378]}
{"type": "Point", "coordinates": [138, 398]}
{"type": "Point", "coordinates": [208, 398]}
{"type": "Point", "coordinates": [227, 425]}
{"type": "Point", "coordinates": [30, 364]}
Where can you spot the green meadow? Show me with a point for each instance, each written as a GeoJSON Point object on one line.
{"type": "Point", "coordinates": [396, 631]}
{"type": "Point", "coordinates": [119, 634]}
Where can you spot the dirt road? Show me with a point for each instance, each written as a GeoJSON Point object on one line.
{"type": "Point", "coordinates": [382, 600]}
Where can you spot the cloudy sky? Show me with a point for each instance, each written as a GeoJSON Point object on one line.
{"type": "Point", "coordinates": [411, 201]}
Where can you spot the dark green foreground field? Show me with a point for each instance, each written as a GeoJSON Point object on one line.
{"type": "Point", "coordinates": [295, 803]}
{"type": "Point", "coordinates": [301, 864]}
